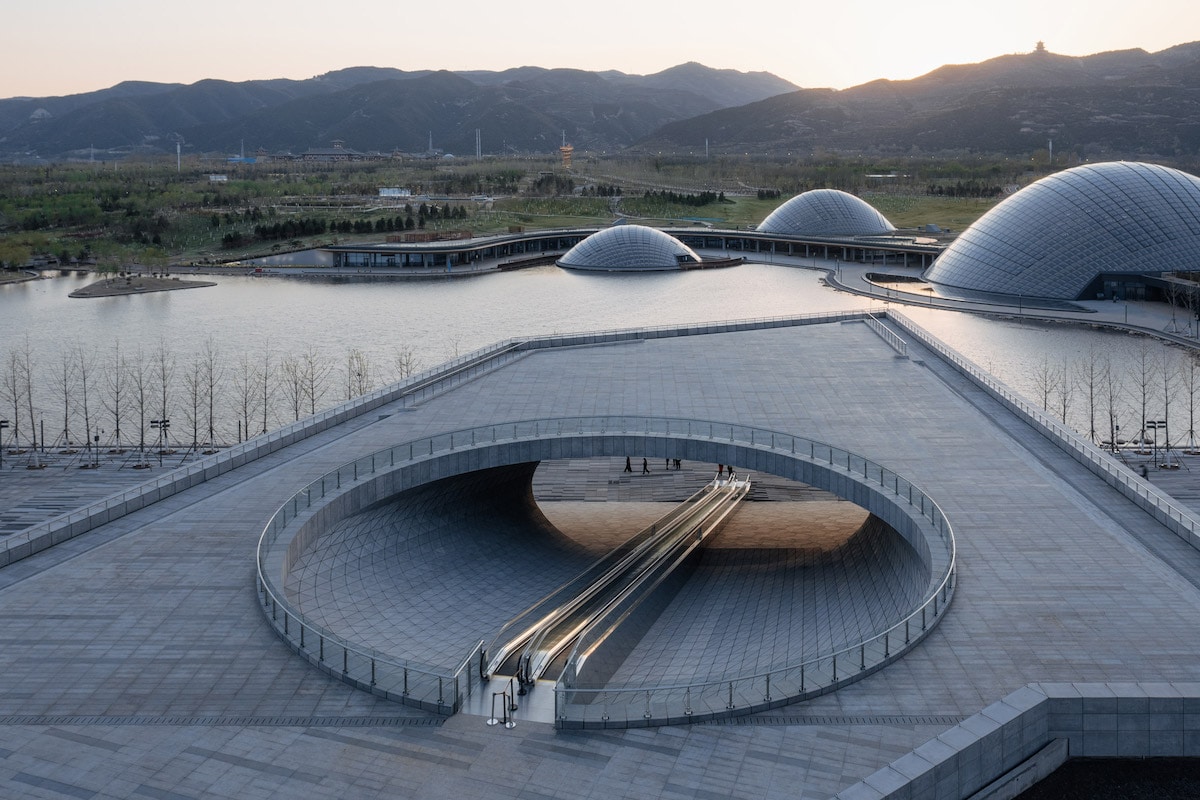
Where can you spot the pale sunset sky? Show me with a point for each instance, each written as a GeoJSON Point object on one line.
{"type": "Point", "coordinates": [57, 47]}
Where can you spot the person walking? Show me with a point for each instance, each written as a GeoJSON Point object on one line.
{"type": "Point", "coordinates": [645, 467]}
{"type": "Point", "coordinates": [628, 466]}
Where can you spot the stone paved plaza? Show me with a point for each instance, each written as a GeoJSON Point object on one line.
{"type": "Point", "coordinates": [136, 661]}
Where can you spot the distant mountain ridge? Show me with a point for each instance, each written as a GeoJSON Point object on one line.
{"type": "Point", "coordinates": [1124, 104]}
{"type": "Point", "coordinates": [1120, 104]}
{"type": "Point", "coordinates": [371, 108]}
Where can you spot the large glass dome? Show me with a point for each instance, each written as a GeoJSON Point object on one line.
{"type": "Point", "coordinates": [631, 248]}
{"type": "Point", "coordinates": [826, 212]}
{"type": "Point", "coordinates": [1056, 236]}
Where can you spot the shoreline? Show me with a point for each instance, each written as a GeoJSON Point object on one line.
{"type": "Point", "coordinates": [107, 287]}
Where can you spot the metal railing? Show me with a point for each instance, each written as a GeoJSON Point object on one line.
{"type": "Point", "coordinates": [1161, 506]}
{"type": "Point", "coordinates": [287, 534]}
{"type": "Point", "coordinates": [415, 389]}
{"type": "Point", "coordinates": [412, 390]}
{"type": "Point", "coordinates": [888, 335]}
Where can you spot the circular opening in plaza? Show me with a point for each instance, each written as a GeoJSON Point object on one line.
{"type": "Point", "coordinates": [607, 572]}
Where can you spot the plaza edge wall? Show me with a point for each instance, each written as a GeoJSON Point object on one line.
{"type": "Point", "coordinates": [1010, 745]}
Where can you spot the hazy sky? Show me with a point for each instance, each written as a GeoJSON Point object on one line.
{"type": "Point", "coordinates": [55, 47]}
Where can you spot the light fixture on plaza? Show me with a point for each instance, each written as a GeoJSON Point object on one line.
{"type": "Point", "coordinates": [163, 425]}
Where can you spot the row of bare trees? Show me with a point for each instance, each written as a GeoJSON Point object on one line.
{"type": "Point", "coordinates": [1098, 394]}
{"type": "Point", "coordinates": [118, 397]}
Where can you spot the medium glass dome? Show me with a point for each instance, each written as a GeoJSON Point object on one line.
{"type": "Point", "coordinates": [1055, 237]}
{"type": "Point", "coordinates": [629, 248]}
{"type": "Point", "coordinates": [826, 212]}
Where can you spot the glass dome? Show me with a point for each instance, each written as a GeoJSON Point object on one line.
{"type": "Point", "coordinates": [629, 248]}
{"type": "Point", "coordinates": [826, 212]}
{"type": "Point", "coordinates": [1056, 236]}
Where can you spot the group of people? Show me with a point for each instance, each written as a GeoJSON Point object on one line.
{"type": "Point", "coordinates": [670, 462]}
{"type": "Point", "coordinates": [721, 469]}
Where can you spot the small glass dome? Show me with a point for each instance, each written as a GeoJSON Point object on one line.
{"type": "Point", "coordinates": [826, 212]}
{"type": "Point", "coordinates": [1055, 237]}
{"type": "Point", "coordinates": [630, 248]}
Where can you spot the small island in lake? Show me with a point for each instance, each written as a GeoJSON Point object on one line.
{"type": "Point", "coordinates": [135, 284]}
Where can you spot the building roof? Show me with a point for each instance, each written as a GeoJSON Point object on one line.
{"type": "Point", "coordinates": [1056, 236]}
{"type": "Point", "coordinates": [629, 247]}
{"type": "Point", "coordinates": [826, 212]}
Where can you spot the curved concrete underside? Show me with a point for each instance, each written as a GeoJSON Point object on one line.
{"type": "Point", "coordinates": [381, 579]}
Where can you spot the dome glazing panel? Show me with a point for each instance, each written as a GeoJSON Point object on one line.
{"type": "Point", "coordinates": [629, 247]}
{"type": "Point", "coordinates": [826, 212]}
{"type": "Point", "coordinates": [1056, 236]}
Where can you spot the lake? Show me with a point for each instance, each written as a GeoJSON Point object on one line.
{"type": "Point", "coordinates": [434, 320]}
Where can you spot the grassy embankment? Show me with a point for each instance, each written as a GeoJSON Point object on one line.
{"type": "Point", "coordinates": [148, 214]}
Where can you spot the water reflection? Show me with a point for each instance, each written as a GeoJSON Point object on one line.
{"type": "Point", "coordinates": [432, 321]}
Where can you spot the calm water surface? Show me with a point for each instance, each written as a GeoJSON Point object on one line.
{"type": "Point", "coordinates": [441, 318]}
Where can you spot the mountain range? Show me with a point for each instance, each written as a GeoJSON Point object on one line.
{"type": "Point", "coordinates": [1124, 104]}
{"type": "Point", "coordinates": [526, 109]}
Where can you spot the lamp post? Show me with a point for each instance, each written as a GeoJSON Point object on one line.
{"type": "Point", "coordinates": [1155, 425]}
{"type": "Point", "coordinates": [163, 426]}
{"type": "Point", "coordinates": [3, 425]}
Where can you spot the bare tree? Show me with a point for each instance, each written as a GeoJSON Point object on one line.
{"type": "Point", "coordinates": [64, 382]}
{"type": "Point", "coordinates": [1144, 379]}
{"type": "Point", "coordinates": [358, 374]}
{"type": "Point", "coordinates": [1175, 294]}
{"type": "Point", "coordinates": [404, 362]}
{"type": "Point", "coordinates": [26, 367]}
{"type": "Point", "coordinates": [1169, 380]}
{"type": "Point", "coordinates": [193, 386]}
{"type": "Point", "coordinates": [10, 392]}
{"type": "Point", "coordinates": [1045, 381]}
{"type": "Point", "coordinates": [87, 377]}
{"type": "Point", "coordinates": [266, 383]}
{"type": "Point", "coordinates": [1191, 382]}
{"type": "Point", "coordinates": [139, 383]}
{"type": "Point", "coordinates": [1113, 390]}
{"type": "Point", "coordinates": [164, 374]}
{"type": "Point", "coordinates": [293, 383]}
{"type": "Point", "coordinates": [118, 385]}
{"type": "Point", "coordinates": [1091, 375]}
{"type": "Point", "coordinates": [212, 371]}
{"type": "Point", "coordinates": [1193, 307]}
{"type": "Point", "coordinates": [316, 375]}
{"type": "Point", "coordinates": [245, 386]}
{"type": "Point", "coordinates": [1065, 381]}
